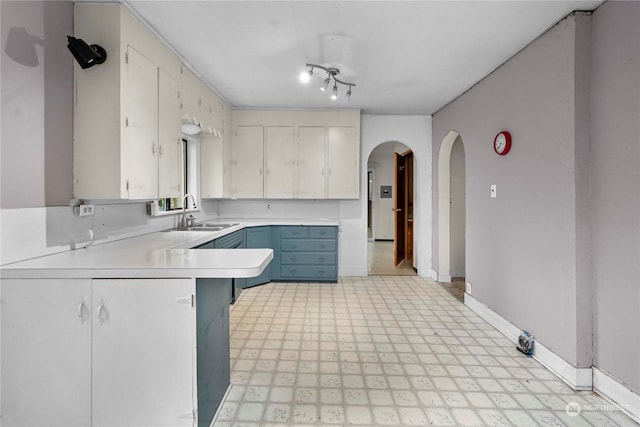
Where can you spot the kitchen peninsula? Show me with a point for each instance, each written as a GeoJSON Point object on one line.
{"type": "Point", "coordinates": [133, 332]}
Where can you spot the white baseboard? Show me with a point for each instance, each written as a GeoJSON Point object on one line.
{"type": "Point", "coordinates": [443, 278]}
{"type": "Point", "coordinates": [433, 274]}
{"type": "Point", "coordinates": [616, 392]}
{"type": "Point", "coordinates": [576, 378]}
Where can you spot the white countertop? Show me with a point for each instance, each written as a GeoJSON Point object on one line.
{"type": "Point", "coordinates": [160, 254]}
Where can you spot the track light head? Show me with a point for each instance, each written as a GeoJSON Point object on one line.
{"type": "Point", "coordinates": [334, 92]}
{"type": "Point", "coordinates": [325, 84]}
{"type": "Point", "coordinates": [348, 96]}
{"type": "Point", "coordinates": [86, 55]}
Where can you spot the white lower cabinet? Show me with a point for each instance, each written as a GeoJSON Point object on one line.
{"type": "Point", "coordinates": [78, 352]}
{"type": "Point", "coordinates": [143, 352]}
{"type": "Point", "coordinates": [46, 352]}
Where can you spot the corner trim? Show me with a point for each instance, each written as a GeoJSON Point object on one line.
{"type": "Point", "coordinates": [617, 393]}
{"type": "Point", "coordinates": [576, 378]}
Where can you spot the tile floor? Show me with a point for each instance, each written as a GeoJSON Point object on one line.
{"type": "Point", "coordinates": [380, 261]}
{"type": "Point", "coordinates": [386, 350]}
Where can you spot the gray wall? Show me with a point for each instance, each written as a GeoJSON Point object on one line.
{"type": "Point", "coordinates": [557, 253]}
{"type": "Point", "coordinates": [615, 177]}
{"type": "Point", "coordinates": [521, 246]}
{"type": "Point", "coordinates": [37, 109]}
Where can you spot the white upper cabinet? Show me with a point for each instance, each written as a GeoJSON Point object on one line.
{"type": "Point", "coordinates": [190, 96]}
{"type": "Point", "coordinates": [311, 169]}
{"type": "Point", "coordinates": [197, 100]}
{"type": "Point", "coordinates": [170, 160]}
{"type": "Point", "coordinates": [141, 126]}
{"type": "Point", "coordinates": [117, 126]}
{"type": "Point", "coordinates": [211, 167]}
{"type": "Point", "coordinates": [280, 158]}
{"type": "Point", "coordinates": [342, 163]}
{"type": "Point", "coordinates": [248, 168]}
{"type": "Point", "coordinates": [307, 154]}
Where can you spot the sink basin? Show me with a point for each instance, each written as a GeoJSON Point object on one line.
{"type": "Point", "coordinates": [206, 227]}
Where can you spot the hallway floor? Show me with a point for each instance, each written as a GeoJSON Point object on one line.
{"type": "Point", "coordinates": [386, 350]}
{"type": "Point", "coordinates": [380, 261]}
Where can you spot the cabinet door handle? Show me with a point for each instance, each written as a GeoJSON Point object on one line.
{"type": "Point", "coordinates": [81, 311]}
{"type": "Point", "coordinates": [153, 148]}
{"type": "Point", "coordinates": [101, 308]}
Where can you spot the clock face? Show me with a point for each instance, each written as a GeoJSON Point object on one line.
{"type": "Point", "coordinates": [502, 143]}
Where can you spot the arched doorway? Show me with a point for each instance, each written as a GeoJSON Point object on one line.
{"type": "Point", "coordinates": [390, 181]}
{"type": "Point", "coordinates": [451, 208]}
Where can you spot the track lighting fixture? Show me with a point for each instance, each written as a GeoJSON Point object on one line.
{"type": "Point", "coordinates": [86, 55]}
{"type": "Point", "coordinates": [332, 72]}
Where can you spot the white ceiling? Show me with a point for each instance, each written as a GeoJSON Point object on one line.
{"type": "Point", "coordinates": [406, 57]}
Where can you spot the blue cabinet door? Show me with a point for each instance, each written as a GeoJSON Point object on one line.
{"type": "Point", "coordinates": [259, 237]}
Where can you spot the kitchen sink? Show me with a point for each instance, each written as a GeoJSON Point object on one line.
{"type": "Point", "coordinates": [206, 227]}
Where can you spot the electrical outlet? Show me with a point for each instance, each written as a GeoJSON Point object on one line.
{"type": "Point", "coordinates": [86, 210]}
{"type": "Point", "coordinates": [268, 205]}
{"type": "Point", "coordinates": [468, 288]}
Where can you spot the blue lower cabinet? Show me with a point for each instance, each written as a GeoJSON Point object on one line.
{"type": "Point", "coordinates": [300, 253]}
{"type": "Point", "coordinates": [235, 240]}
{"type": "Point", "coordinates": [259, 237]}
{"type": "Point", "coordinates": [306, 253]}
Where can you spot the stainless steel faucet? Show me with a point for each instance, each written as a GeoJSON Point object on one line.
{"type": "Point", "coordinates": [185, 221]}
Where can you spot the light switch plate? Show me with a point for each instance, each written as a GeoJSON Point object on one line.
{"type": "Point", "coordinates": [493, 191]}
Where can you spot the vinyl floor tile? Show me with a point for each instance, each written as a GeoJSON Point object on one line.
{"type": "Point", "coordinates": [385, 351]}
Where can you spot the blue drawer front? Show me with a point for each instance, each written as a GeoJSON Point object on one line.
{"type": "Point", "coordinates": [326, 272]}
{"type": "Point", "coordinates": [322, 258]}
{"type": "Point", "coordinates": [308, 245]}
{"type": "Point", "coordinates": [323, 232]}
{"type": "Point", "coordinates": [295, 232]}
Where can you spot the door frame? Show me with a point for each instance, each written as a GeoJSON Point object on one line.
{"type": "Point", "coordinates": [371, 170]}
{"type": "Point", "coordinates": [444, 207]}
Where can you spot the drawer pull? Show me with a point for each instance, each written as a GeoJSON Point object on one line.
{"type": "Point", "coordinates": [293, 246]}
{"type": "Point", "coordinates": [322, 233]}
{"type": "Point", "coordinates": [322, 246]}
{"type": "Point", "coordinates": [294, 259]}
{"type": "Point", "coordinates": [321, 259]}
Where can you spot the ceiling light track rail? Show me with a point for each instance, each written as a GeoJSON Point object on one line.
{"type": "Point", "coordinates": [332, 73]}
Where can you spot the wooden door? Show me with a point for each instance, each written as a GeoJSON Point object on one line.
{"type": "Point", "coordinates": [399, 214]}
{"type": "Point", "coordinates": [408, 205]}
